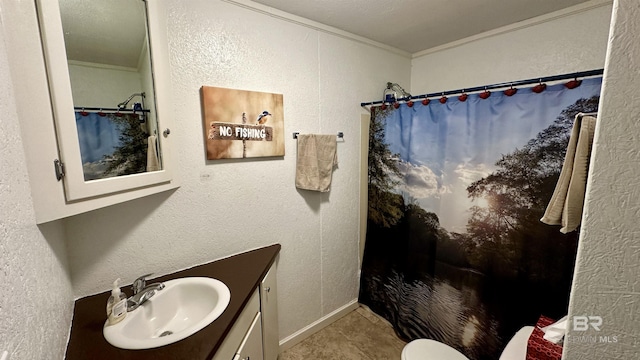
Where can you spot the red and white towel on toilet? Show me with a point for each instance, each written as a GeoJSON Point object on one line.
{"type": "Point", "coordinates": [540, 349]}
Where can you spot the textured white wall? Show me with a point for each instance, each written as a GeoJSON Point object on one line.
{"type": "Point", "coordinates": [607, 278]}
{"type": "Point", "coordinates": [226, 207]}
{"type": "Point", "coordinates": [563, 45]}
{"type": "Point", "coordinates": [36, 300]}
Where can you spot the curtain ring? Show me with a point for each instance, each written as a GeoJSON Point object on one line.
{"type": "Point", "coordinates": [485, 94]}
{"type": "Point", "coordinates": [463, 97]}
{"type": "Point", "coordinates": [511, 91]}
{"type": "Point", "coordinates": [539, 88]}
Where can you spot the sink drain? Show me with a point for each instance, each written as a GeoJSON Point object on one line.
{"type": "Point", "coordinates": [166, 333]}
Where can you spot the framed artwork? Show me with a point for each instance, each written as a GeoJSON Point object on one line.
{"type": "Point", "coordinates": [242, 124]}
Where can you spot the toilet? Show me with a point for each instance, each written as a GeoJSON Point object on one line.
{"type": "Point", "coordinates": [425, 349]}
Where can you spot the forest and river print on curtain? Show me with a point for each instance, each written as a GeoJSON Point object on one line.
{"type": "Point", "coordinates": [111, 144]}
{"type": "Point", "coordinates": [455, 249]}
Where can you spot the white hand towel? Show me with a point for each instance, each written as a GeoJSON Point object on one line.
{"type": "Point", "coordinates": [153, 164]}
{"type": "Point", "coordinates": [565, 207]}
{"type": "Point", "coordinates": [317, 156]}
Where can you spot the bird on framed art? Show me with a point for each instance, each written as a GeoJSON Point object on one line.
{"type": "Point", "coordinates": [262, 118]}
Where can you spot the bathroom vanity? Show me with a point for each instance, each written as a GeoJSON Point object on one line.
{"type": "Point", "coordinates": [248, 328]}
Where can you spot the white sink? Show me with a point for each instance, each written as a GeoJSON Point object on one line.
{"type": "Point", "coordinates": [182, 308]}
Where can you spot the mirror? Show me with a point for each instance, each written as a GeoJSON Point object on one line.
{"type": "Point", "coordinates": [109, 64]}
{"type": "Point", "coordinates": [109, 84]}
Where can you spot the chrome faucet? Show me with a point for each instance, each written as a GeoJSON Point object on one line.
{"type": "Point", "coordinates": [142, 292]}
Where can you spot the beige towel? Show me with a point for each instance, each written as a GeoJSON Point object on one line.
{"type": "Point", "coordinates": [153, 164]}
{"type": "Point", "coordinates": [317, 156]}
{"type": "Point", "coordinates": [565, 207]}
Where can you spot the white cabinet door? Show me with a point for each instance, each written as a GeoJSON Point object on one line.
{"type": "Point", "coordinates": [55, 195]}
{"type": "Point", "coordinates": [269, 308]}
{"type": "Point", "coordinates": [251, 346]}
{"type": "Point", "coordinates": [236, 337]}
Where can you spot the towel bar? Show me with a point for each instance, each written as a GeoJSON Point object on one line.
{"type": "Point", "coordinates": [340, 135]}
{"type": "Point", "coordinates": [581, 115]}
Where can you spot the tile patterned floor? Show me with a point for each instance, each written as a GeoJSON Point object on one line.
{"type": "Point", "coordinates": [360, 335]}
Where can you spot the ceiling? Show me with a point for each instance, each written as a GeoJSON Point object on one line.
{"type": "Point", "coordinates": [105, 32]}
{"type": "Point", "coordinates": [416, 25]}
{"type": "Point", "coordinates": [113, 32]}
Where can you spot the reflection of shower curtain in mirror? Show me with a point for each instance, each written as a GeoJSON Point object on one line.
{"type": "Point", "coordinates": [111, 144]}
{"type": "Point", "coordinates": [455, 250]}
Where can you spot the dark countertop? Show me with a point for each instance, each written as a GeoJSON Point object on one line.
{"type": "Point", "coordinates": [241, 273]}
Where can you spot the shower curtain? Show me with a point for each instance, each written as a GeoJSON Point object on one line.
{"type": "Point", "coordinates": [455, 250]}
{"type": "Point", "coordinates": [111, 144]}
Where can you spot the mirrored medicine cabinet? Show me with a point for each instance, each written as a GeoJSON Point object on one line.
{"type": "Point", "coordinates": [107, 70]}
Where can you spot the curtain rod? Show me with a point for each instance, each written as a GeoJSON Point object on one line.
{"type": "Point", "coordinates": [109, 110]}
{"type": "Point", "coordinates": [581, 74]}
